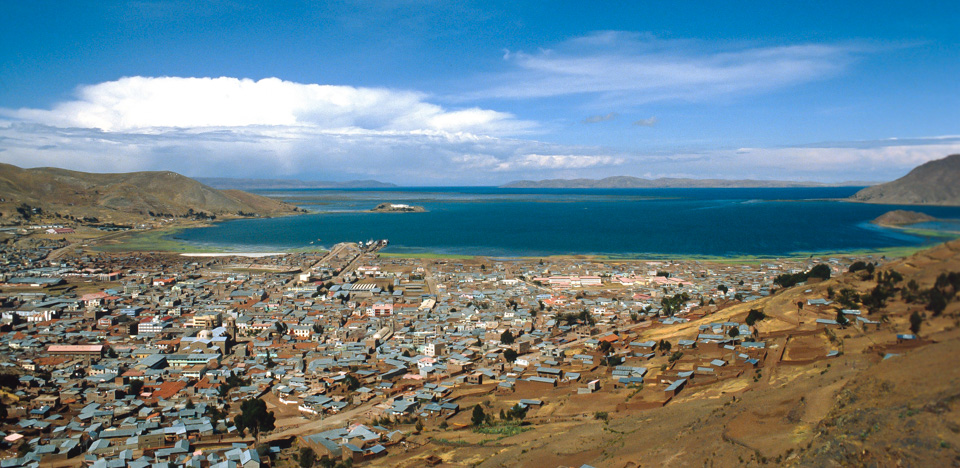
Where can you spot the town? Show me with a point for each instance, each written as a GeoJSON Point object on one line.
{"type": "Point", "coordinates": [350, 356]}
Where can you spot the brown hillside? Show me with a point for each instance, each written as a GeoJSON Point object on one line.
{"type": "Point", "coordinates": [115, 195]}
{"type": "Point", "coordinates": [933, 183]}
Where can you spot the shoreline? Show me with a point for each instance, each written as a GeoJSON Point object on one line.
{"type": "Point", "coordinates": [233, 254]}
{"type": "Point", "coordinates": [154, 241]}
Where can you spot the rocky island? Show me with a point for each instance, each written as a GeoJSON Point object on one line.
{"type": "Point", "coordinates": [398, 208]}
{"type": "Point", "coordinates": [898, 218]}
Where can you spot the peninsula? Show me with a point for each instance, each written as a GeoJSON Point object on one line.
{"type": "Point", "coordinates": [932, 183]}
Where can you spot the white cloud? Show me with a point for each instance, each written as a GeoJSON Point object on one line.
{"type": "Point", "coordinates": [646, 122]}
{"type": "Point", "coordinates": [538, 162]}
{"type": "Point", "coordinates": [877, 160]}
{"type": "Point", "coordinates": [631, 68]}
{"type": "Point", "coordinates": [272, 128]}
{"type": "Point", "coordinates": [563, 161]}
{"type": "Point", "coordinates": [141, 103]}
{"type": "Point", "coordinates": [600, 118]}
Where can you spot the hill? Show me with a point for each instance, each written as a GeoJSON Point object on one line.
{"type": "Point", "coordinates": [880, 400]}
{"type": "Point", "coordinates": [265, 184]}
{"type": "Point", "coordinates": [123, 197]}
{"type": "Point", "coordinates": [620, 182]}
{"type": "Point", "coordinates": [932, 183]}
{"type": "Point", "coordinates": [902, 218]}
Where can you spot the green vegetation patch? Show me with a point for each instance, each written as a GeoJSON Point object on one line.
{"type": "Point", "coordinates": [155, 240]}
{"type": "Point", "coordinates": [503, 429]}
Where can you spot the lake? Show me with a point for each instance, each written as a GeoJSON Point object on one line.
{"type": "Point", "coordinates": [537, 222]}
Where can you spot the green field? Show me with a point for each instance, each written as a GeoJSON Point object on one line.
{"type": "Point", "coordinates": [153, 241]}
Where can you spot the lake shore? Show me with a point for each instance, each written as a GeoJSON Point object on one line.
{"type": "Point", "coordinates": [157, 240]}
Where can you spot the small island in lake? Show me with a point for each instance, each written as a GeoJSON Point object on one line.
{"type": "Point", "coordinates": [397, 208]}
{"type": "Point", "coordinates": [902, 218]}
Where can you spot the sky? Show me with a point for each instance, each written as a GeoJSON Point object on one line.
{"type": "Point", "coordinates": [481, 93]}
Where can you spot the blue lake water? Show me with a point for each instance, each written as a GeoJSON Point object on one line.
{"type": "Point", "coordinates": [534, 222]}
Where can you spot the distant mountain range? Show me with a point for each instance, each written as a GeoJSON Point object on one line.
{"type": "Point", "coordinates": [264, 184]}
{"type": "Point", "coordinates": [636, 182]}
{"type": "Point", "coordinates": [932, 183]}
{"type": "Point", "coordinates": [123, 197]}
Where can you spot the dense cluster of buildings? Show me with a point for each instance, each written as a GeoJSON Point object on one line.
{"type": "Point", "coordinates": [138, 359]}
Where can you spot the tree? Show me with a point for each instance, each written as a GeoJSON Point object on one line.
{"type": "Point", "coordinates": [517, 412]}
{"type": "Point", "coordinates": [216, 414]}
{"type": "Point", "coordinates": [419, 426]}
{"type": "Point", "coordinates": [734, 332]}
{"type": "Point", "coordinates": [723, 289]}
{"type": "Point", "coordinates": [848, 298]}
{"type": "Point", "coordinates": [915, 321]}
{"type": "Point", "coordinates": [841, 318]}
{"type": "Point", "coordinates": [478, 417]}
{"type": "Point", "coordinates": [937, 302]}
{"type": "Point", "coordinates": [664, 346]}
{"type": "Point", "coordinates": [821, 271]}
{"type": "Point", "coordinates": [134, 387]}
{"type": "Point", "coordinates": [307, 457]}
{"type": "Point", "coordinates": [254, 417]}
{"type": "Point", "coordinates": [754, 316]}
{"type": "Point", "coordinates": [857, 266]}
{"type": "Point", "coordinates": [351, 381]}
{"type": "Point", "coordinates": [510, 355]}
{"type": "Point", "coordinates": [506, 337]}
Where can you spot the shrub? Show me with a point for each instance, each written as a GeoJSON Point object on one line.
{"type": "Point", "coordinates": [754, 316]}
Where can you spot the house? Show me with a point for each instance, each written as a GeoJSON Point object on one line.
{"type": "Point", "coordinates": [675, 387]}
{"type": "Point", "coordinates": [550, 372]}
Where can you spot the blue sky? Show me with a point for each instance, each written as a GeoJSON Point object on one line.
{"type": "Point", "coordinates": [478, 93]}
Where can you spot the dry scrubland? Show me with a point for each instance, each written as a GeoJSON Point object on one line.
{"type": "Point", "coordinates": [798, 408]}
